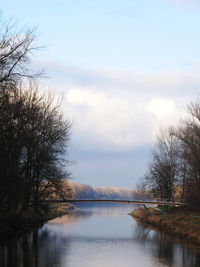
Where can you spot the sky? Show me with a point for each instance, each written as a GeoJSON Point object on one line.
{"type": "Point", "coordinates": [124, 70]}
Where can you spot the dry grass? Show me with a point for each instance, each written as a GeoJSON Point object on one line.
{"type": "Point", "coordinates": [178, 221]}
{"type": "Point", "coordinates": [10, 223]}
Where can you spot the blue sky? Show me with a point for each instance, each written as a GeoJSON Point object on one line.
{"type": "Point", "coordinates": [141, 34]}
{"type": "Point", "coordinates": [123, 69]}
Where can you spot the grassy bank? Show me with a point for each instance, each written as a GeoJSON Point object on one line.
{"type": "Point", "coordinates": [10, 223]}
{"type": "Point", "coordinates": [177, 221]}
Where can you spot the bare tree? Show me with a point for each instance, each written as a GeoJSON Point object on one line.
{"type": "Point", "coordinates": [175, 167]}
{"type": "Point", "coordinates": [33, 141]}
{"type": "Point", "coordinates": [163, 170]}
{"type": "Point", "coordinates": [33, 132]}
{"type": "Point", "coordinates": [188, 133]}
{"type": "Point", "coordinates": [16, 47]}
{"type": "Point", "coordinates": [142, 190]}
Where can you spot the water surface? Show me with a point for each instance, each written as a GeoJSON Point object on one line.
{"type": "Point", "coordinates": [96, 235]}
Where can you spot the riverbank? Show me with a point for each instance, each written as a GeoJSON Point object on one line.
{"type": "Point", "coordinates": [177, 221]}
{"type": "Point", "coordinates": [12, 223]}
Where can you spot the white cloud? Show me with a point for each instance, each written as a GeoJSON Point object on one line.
{"type": "Point", "coordinates": [119, 110]}
{"type": "Point", "coordinates": [116, 122]}
{"type": "Point", "coordinates": [161, 107]}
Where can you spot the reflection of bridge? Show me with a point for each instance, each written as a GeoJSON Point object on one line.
{"type": "Point", "coordinates": [117, 201]}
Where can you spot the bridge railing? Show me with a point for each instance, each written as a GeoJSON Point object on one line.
{"type": "Point", "coordinates": [116, 201]}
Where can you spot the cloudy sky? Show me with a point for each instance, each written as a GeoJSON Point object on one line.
{"type": "Point", "coordinates": [124, 69]}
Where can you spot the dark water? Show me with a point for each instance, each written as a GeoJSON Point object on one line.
{"type": "Point", "coordinates": [97, 235]}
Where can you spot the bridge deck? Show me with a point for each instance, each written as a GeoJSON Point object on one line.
{"type": "Point", "coordinates": [118, 201]}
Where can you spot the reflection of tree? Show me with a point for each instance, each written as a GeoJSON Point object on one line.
{"type": "Point", "coordinates": [34, 249]}
{"type": "Point", "coordinates": [141, 234]}
{"type": "Point", "coordinates": [40, 247]}
{"type": "Point", "coordinates": [67, 220]}
{"type": "Point", "coordinates": [10, 254]}
{"type": "Point", "coordinates": [165, 249]}
{"type": "Point", "coordinates": [190, 258]}
{"type": "Point", "coordinates": [25, 251]}
{"type": "Point", "coordinates": [48, 246]}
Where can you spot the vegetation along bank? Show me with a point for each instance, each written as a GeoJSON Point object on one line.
{"type": "Point", "coordinates": [12, 223]}
{"type": "Point", "coordinates": [177, 221]}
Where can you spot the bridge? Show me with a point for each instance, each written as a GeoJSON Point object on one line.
{"type": "Point", "coordinates": [117, 201]}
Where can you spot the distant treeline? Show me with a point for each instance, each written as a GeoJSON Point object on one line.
{"type": "Point", "coordinates": [174, 171]}
{"type": "Point", "coordinates": [33, 132]}
{"type": "Point", "coordinates": [84, 191]}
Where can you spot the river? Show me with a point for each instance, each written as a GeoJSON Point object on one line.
{"type": "Point", "coordinates": [96, 235]}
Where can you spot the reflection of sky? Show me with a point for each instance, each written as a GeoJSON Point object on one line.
{"type": "Point", "coordinates": [123, 69]}
{"type": "Point", "coordinates": [108, 237]}
{"type": "Point", "coordinates": [107, 218]}
{"type": "Point", "coordinates": [95, 236]}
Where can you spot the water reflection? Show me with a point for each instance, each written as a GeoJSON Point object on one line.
{"type": "Point", "coordinates": [95, 236]}
{"type": "Point", "coordinates": [165, 248]}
